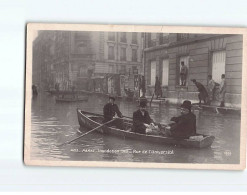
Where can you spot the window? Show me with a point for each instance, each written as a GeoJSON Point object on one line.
{"type": "Point", "coordinates": [111, 36]}
{"type": "Point", "coordinates": [183, 78]}
{"type": "Point", "coordinates": [218, 65]}
{"type": "Point", "coordinates": [134, 55]}
{"type": "Point", "coordinates": [111, 53]}
{"type": "Point", "coordinates": [123, 54]}
{"type": "Point", "coordinates": [134, 37]}
{"type": "Point", "coordinates": [153, 72]}
{"type": "Point", "coordinates": [165, 72]}
{"type": "Point", "coordinates": [123, 37]}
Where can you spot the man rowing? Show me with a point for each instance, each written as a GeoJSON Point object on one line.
{"type": "Point", "coordinates": [110, 110]}
{"type": "Point", "coordinates": [184, 125]}
{"type": "Point", "coordinates": [142, 122]}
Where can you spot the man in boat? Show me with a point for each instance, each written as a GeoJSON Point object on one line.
{"type": "Point", "coordinates": [110, 110]}
{"type": "Point", "coordinates": [142, 122]}
{"type": "Point", "coordinates": [184, 125]}
{"type": "Point", "coordinates": [203, 94]}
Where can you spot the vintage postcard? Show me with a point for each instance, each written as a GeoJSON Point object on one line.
{"type": "Point", "coordinates": [135, 96]}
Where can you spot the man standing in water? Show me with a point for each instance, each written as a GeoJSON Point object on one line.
{"type": "Point", "coordinates": [110, 110]}
{"type": "Point", "coordinates": [211, 89]}
{"type": "Point", "coordinates": [203, 94]}
{"type": "Point", "coordinates": [185, 124]}
{"type": "Point", "coordinates": [222, 90]}
{"type": "Point", "coordinates": [157, 88]}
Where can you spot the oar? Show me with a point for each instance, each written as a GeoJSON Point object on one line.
{"type": "Point", "coordinates": [68, 142]}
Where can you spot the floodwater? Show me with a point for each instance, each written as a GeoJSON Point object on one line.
{"type": "Point", "coordinates": [55, 123]}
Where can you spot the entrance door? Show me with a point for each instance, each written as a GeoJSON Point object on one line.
{"type": "Point", "coordinates": [165, 72]}
{"type": "Point", "coordinates": [218, 65]}
{"type": "Point", "coordinates": [153, 72]}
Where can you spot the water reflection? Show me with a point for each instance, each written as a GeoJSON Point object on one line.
{"type": "Point", "coordinates": [55, 123]}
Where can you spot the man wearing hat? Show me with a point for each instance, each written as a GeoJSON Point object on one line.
{"type": "Point", "coordinates": [185, 124]}
{"type": "Point", "coordinates": [110, 110]}
{"type": "Point", "coordinates": [141, 119]}
{"type": "Point", "coordinates": [203, 94]}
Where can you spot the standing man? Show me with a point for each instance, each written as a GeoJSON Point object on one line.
{"type": "Point", "coordinates": [110, 110]}
{"type": "Point", "coordinates": [142, 122]}
{"type": "Point", "coordinates": [222, 90]}
{"type": "Point", "coordinates": [183, 74]}
{"type": "Point", "coordinates": [184, 125]}
{"type": "Point", "coordinates": [211, 89]}
{"type": "Point", "coordinates": [203, 94]}
{"type": "Point", "coordinates": [157, 88]}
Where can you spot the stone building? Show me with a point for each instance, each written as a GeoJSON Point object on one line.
{"type": "Point", "coordinates": [73, 58]}
{"type": "Point", "coordinates": [203, 55]}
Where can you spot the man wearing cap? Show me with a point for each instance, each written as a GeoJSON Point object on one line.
{"type": "Point", "coordinates": [110, 110]}
{"type": "Point", "coordinates": [185, 124]}
{"type": "Point", "coordinates": [203, 94]}
{"type": "Point", "coordinates": [141, 119]}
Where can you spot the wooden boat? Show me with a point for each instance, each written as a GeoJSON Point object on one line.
{"type": "Point", "coordinates": [217, 109]}
{"type": "Point", "coordinates": [71, 99]}
{"type": "Point", "coordinates": [91, 120]}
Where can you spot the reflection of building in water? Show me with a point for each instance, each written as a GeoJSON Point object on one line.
{"type": "Point", "coordinates": [76, 58]}
{"type": "Point", "coordinates": [202, 54]}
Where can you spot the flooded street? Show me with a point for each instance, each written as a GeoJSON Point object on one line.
{"type": "Point", "coordinates": [55, 123]}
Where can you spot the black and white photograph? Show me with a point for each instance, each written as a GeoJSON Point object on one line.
{"type": "Point", "coordinates": [135, 96]}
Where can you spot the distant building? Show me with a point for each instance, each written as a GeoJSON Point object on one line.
{"type": "Point", "coordinates": [72, 58]}
{"type": "Point", "coordinates": [202, 54]}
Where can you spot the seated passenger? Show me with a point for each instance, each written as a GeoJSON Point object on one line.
{"type": "Point", "coordinates": [185, 124]}
{"type": "Point", "coordinates": [142, 123]}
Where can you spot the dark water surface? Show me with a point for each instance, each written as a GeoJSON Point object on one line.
{"type": "Point", "coordinates": [55, 123]}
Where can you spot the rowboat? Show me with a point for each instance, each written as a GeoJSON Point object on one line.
{"type": "Point", "coordinates": [71, 99]}
{"type": "Point", "coordinates": [91, 120]}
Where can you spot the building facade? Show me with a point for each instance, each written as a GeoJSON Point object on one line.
{"type": "Point", "coordinates": [203, 55]}
{"type": "Point", "coordinates": [73, 58]}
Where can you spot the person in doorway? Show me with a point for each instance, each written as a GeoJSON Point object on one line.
{"type": "Point", "coordinates": [203, 94]}
{"type": "Point", "coordinates": [34, 89]}
{"type": "Point", "coordinates": [211, 89]}
{"type": "Point", "coordinates": [110, 110]}
{"type": "Point", "coordinates": [184, 125]}
{"type": "Point", "coordinates": [183, 74]}
{"type": "Point", "coordinates": [142, 122]}
{"type": "Point", "coordinates": [222, 90]}
{"type": "Point", "coordinates": [157, 88]}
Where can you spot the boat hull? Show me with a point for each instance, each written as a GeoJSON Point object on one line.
{"type": "Point", "coordinates": [88, 122]}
